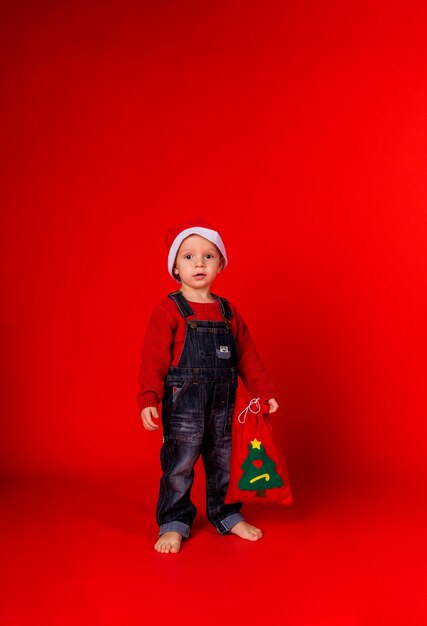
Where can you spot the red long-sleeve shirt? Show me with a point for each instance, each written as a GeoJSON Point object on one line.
{"type": "Point", "coordinates": [164, 341]}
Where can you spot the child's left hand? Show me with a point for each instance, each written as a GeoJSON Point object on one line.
{"type": "Point", "coordinates": [273, 405]}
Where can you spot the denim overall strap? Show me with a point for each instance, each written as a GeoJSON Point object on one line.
{"type": "Point", "coordinates": [186, 310]}
{"type": "Point", "coordinates": [225, 307]}
{"type": "Point", "coordinates": [182, 304]}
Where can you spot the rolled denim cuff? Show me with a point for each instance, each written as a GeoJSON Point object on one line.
{"type": "Point", "coordinates": [228, 522]}
{"type": "Point", "coordinates": [180, 527]}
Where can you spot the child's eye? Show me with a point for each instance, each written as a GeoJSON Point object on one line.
{"type": "Point", "coordinates": [210, 255]}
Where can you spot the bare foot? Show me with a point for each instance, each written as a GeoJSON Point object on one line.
{"type": "Point", "coordinates": [246, 531]}
{"type": "Point", "coordinates": [168, 542]}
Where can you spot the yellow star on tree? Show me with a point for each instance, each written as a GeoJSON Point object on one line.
{"type": "Point", "coordinates": [256, 444]}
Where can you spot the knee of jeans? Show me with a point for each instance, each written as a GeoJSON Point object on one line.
{"type": "Point", "coordinates": [183, 459]}
{"type": "Point", "coordinates": [180, 482]}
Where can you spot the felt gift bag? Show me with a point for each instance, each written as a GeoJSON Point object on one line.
{"type": "Point", "coordinates": [258, 471]}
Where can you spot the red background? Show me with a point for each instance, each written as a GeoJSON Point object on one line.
{"type": "Point", "coordinates": [299, 129]}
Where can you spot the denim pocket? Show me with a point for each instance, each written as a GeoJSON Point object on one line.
{"type": "Point", "coordinates": [176, 392]}
{"type": "Point", "coordinates": [184, 421]}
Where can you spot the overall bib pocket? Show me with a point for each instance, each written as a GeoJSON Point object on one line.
{"type": "Point", "coordinates": [213, 342]}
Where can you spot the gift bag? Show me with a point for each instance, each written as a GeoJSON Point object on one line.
{"type": "Point", "coordinates": [258, 471]}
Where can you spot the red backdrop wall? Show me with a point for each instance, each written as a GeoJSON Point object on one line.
{"type": "Point", "coordinates": [299, 129]}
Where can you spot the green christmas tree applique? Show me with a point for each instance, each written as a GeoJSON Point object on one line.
{"type": "Point", "coordinates": [259, 471]}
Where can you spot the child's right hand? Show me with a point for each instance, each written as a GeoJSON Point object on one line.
{"type": "Point", "coordinates": [146, 415]}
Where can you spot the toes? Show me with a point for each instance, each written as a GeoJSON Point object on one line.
{"type": "Point", "coordinates": [167, 547]}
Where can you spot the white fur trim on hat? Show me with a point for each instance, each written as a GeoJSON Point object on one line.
{"type": "Point", "coordinates": [207, 233]}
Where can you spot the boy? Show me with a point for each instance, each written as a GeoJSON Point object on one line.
{"type": "Point", "coordinates": [195, 347]}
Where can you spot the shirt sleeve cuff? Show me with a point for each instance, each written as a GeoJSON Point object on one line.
{"type": "Point", "coordinates": [267, 395]}
{"type": "Point", "coordinates": [148, 399]}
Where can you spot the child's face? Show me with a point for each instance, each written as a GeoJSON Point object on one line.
{"type": "Point", "coordinates": [198, 262]}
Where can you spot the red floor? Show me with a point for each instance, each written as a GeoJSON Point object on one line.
{"type": "Point", "coordinates": [81, 552]}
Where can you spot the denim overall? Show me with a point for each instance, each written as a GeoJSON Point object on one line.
{"type": "Point", "coordinates": [197, 409]}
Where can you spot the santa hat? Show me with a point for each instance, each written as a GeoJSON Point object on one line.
{"type": "Point", "coordinates": [176, 234]}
